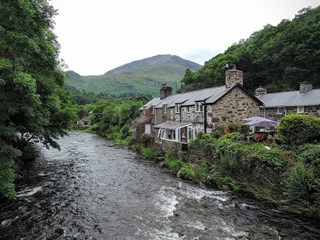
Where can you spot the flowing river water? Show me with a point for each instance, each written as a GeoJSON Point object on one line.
{"type": "Point", "coordinates": [92, 189]}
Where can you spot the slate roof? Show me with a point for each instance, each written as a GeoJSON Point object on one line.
{"type": "Point", "coordinates": [211, 95]}
{"type": "Point", "coordinates": [291, 99]}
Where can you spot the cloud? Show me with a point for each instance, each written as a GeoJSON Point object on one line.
{"type": "Point", "coordinates": [98, 35]}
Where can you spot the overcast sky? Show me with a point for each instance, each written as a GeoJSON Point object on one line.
{"type": "Point", "coordinates": [99, 35]}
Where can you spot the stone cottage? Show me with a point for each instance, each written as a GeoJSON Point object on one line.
{"type": "Point", "coordinates": [178, 118]}
{"type": "Point", "coordinates": [304, 101]}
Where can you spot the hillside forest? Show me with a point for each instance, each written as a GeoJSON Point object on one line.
{"type": "Point", "coordinates": [276, 57]}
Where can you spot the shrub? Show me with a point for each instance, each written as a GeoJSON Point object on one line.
{"type": "Point", "coordinates": [310, 153]}
{"type": "Point", "coordinates": [245, 129]}
{"type": "Point", "coordinates": [129, 141]}
{"type": "Point", "coordinates": [296, 129]}
{"type": "Point", "coordinates": [233, 127]}
{"type": "Point", "coordinates": [300, 183]}
{"type": "Point", "coordinates": [224, 146]}
{"type": "Point", "coordinates": [227, 164]}
{"type": "Point", "coordinates": [174, 165]}
{"type": "Point", "coordinates": [125, 130]}
{"type": "Point", "coordinates": [149, 152]}
{"type": "Point", "coordinates": [234, 136]}
{"type": "Point", "coordinates": [201, 171]}
{"type": "Point", "coordinates": [275, 157]}
{"type": "Point", "coordinates": [172, 162]}
{"type": "Point", "coordinates": [170, 155]}
{"type": "Point", "coordinates": [218, 131]}
{"type": "Point", "coordinates": [186, 172]}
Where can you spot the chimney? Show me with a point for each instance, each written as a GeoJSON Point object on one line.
{"type": "Point", "coordinates": [305, 87]}
{"type": "Point", "coordinates": [233, 76]}
{"type": "Point", "coordinates": [260, 91]}
{"type": "Point", "coordinates": [165, 91]}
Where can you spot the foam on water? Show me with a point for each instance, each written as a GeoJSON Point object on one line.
{"type": "Point", "coordinates": [197, 225]}
{"type": "Point", "coordinates": [7, 222]}
{"type": "Point", "coordinates": [199, 193]}
{"type": "Point", "coordinates": [164, 234]}
{"type": "Point", "coordinates": [29, 192]}
{"type": "Point", "coordinates": [166, 200]}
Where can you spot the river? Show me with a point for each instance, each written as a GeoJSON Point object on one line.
{"type": "Point", "coordinates": [93, 189]}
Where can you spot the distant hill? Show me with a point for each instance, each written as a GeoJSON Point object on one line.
{"type": "Point", "coordinates": [138, 77]}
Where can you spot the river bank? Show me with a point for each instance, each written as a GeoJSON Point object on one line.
{"type": "Point", "coordinates": [284, 178]}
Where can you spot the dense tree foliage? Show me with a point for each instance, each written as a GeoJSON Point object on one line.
{"type": "Point", "coordinates": [33, 105]}
{"type": "Point", "coordinates": [297, 129]}
{"type": "Point", "coordinates": [83, 97]}
{"type": "Point", "coordinates": [277, 57]}
{"type": "Point", "coordinates": [113, 118]}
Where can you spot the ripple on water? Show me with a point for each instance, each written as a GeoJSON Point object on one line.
{"type": "Point", "coordinates": [29, 192]}
{"type": "Point", "coordinates": [93, 190]}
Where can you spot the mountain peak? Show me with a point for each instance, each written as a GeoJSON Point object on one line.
{"type": "Point", "coordinates": [138, 77]}
{"type": "Point", "coordinates": [156, 60]}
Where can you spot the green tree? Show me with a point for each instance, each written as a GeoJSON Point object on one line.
{"type": "Point", "coordinates": [297, 129]}
{"type": "Point", "coordinates": [276, 57]}
{"type": "Point", "coordinates": [33, 104]}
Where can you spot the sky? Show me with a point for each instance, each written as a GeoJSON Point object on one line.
{"type": "Point", "coordinates": [96, 36]}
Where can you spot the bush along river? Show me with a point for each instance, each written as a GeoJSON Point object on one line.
{"type": "Point", "coordinates": [92, 189]}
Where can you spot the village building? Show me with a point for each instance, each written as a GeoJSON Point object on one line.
{"type": "Point", "coordinates": [175, 120]}
{"type": "Point", "coordinates": [304, 101]}
{"type": "Point", "coordinates": [86, 121]}
{"type": "Point", "coordinates": [179, 118]}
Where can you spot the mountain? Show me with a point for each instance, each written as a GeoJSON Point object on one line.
{"type": "Point", "coordinates": [138, 77]}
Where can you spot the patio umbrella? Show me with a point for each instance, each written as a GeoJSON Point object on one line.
{"type": "Point", "coordinates": [262, 123]}
{"type": "Point", "coordinates": [257, 121]}
{"type": "Point", "coordinates": [257, 118]}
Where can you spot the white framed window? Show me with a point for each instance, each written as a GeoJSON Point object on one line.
{"type": "Point", "coordinates": [144, 111]}
{"type": "Point", "coordinates": [279, 110]}
{"type": "Point", "coordinates": [300, 109]}
{"type": "Point", "coordinates": [177, 108]}
{"type": "Point", "coordinates": [171, 134]}
{"type": "Point", "coordinates": [164, 109]}
{"type": "Point", "coordinates": [147, 128]}
{"type": "Point", "coordinates": [198, 128]}
{"type": "Point", "coordinates": [167, 134]}
{"type": "Point", "coordinates": [191, 134]}
{"type": "Point", "coordinates": [199, 107]}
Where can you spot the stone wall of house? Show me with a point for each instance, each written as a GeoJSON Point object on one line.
{"type": "Point", "coordinates": [166, 145]}
{"type": "Point", "coordinates": [159, 117]}
{"type": "Point", "coordinates": [189, 114]}
{"type": "Point", "coordinates": [232, 108]}
{"type": "Point", "coordinates": [273, 113]}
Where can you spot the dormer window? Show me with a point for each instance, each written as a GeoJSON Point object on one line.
{"type": "Point", "coordinates": [199, 106]}
{"type": "Point", "coordinates": [177, 108]}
